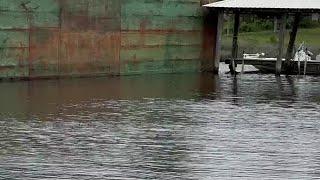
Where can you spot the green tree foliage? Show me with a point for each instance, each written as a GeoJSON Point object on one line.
{"type": "Point", "coordinates": [251, 23]}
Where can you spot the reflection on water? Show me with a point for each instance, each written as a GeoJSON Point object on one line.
{"type": "Point", "coordinates": [187, 126]}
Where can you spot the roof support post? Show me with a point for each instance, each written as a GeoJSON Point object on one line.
{"type": "Point", "coordinates": [293, 35]}
{"type": "Point", "coordinates": [282, 21]}
{"type": "Point", "coordinates": [217, 53]}
{"type": "Point", "coordinates": [235, 45]}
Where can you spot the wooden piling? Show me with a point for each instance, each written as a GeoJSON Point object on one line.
{"type": "Point", "coordinates": [218, 42]}
{"type": "Point", "coordinates": [235, 45]}
{"type": "Point", "coordinates": [282, 21]}
{"type": "Point", "coordinates": [293, 35]}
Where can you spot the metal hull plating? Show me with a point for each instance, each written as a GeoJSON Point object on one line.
{"type": "Point", "coordinates": [53, 38]}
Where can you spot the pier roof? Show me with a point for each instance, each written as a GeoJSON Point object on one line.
{"type": "Point", "coordinates": [268, 5]}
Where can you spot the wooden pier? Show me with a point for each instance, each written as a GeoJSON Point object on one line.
{"type": "Point", "coordinates": [268, 65]}
{"type": "Point", "coordinates": [281, 10]}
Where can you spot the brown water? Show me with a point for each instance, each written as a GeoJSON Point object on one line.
{"type": "Point", "coordinates": [187, 126]}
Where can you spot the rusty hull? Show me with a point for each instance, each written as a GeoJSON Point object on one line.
{"type": "Point", "coordinates": [54, 38]}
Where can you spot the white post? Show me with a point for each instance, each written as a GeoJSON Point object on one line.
{"type": "Point", "coordinates": [305, 65]}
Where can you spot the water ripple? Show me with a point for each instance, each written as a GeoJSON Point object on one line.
{"type": "Point", "coordinates": [199, 127]}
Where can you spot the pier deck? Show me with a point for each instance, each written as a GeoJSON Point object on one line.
{"type": "Point", "coordinates": [267, 65]}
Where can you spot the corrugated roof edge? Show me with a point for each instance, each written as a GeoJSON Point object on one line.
{"type": "Point", "coordinates": [266, 4]}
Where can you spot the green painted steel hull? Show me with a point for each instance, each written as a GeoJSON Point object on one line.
{"type": "Point", "coordinates": [54, 38]}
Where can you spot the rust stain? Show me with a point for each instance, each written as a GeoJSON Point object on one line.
{"type": "Point", "coordinates": [208, 38]}
{"type": "Point", "coordinates": [84, 51]}
{"type": "Point", "coordinates": [72, 37]}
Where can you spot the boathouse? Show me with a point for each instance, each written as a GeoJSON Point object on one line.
{"type": "Point", "coordinates": [281, 9]}
{"type": "Point", "coordinates": [55, 38]}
